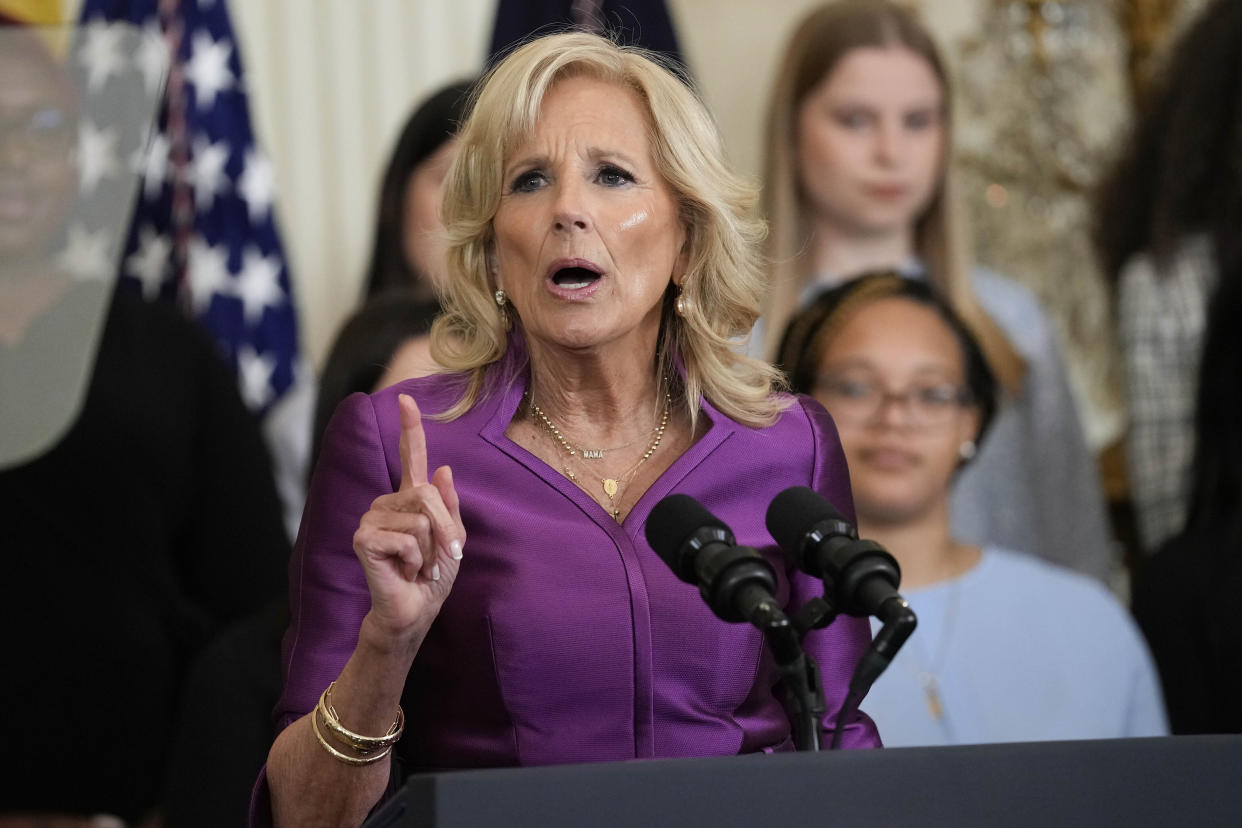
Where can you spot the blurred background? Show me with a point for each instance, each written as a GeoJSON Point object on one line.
{"type": "Point", "coordinates": [1045, 88]}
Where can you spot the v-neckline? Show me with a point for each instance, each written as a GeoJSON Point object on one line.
{"type": "Point", "coordinates": [493, 431]}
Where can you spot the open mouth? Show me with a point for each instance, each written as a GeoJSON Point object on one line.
{"type": "Point", "coordinates": [575, 278]}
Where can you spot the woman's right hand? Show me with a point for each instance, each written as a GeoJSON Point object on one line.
{"type": "Point", "coordinates": [410, 542]}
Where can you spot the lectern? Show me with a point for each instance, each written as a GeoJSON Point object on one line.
{"type": "Point", "coordinates": [1122, 782]}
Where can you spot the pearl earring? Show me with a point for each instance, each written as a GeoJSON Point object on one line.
{"type": "Point", "coordinates": [967, 450]}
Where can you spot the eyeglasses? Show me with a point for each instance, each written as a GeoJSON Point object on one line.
{"type": "Point", "coordinates": [861, 400]}
{"type": "Point", "coordinates": [42, 133]}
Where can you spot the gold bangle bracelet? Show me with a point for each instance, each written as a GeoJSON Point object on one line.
{"type": "Point", "coordinates": [361, 744]}
{"type": "Point", "coordinates": [336, 754]}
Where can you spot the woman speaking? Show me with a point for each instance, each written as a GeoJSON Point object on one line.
{"type": "Point", "coordinates": [471, 586]}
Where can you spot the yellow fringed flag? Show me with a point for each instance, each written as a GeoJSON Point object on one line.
{"type": "Point", "coordinates": [35, 12]}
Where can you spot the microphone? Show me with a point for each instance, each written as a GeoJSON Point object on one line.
{"type": "Point", "coordinates": [737, 582]}
{"type": "Point", "coordinates": [860, 574]}
{"type": "Point", "coordinates": [860, 578]}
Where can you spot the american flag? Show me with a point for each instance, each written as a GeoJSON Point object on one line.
{"type": "Point", "coordinates": [203, 232]}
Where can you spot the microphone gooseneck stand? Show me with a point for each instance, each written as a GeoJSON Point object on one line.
{"type": "Point", "coordinates": [800, 673]}
{"type": "Point", "coordinates": [860, 579]}
{"type": "Point", "coordinates": [898, 622]}
{"type": "Point", "coordinates": [865, 583]}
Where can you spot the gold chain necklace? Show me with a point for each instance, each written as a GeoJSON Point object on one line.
{"type": "Point", "coordinates": [612, 485]}
{"type": "Point", "coordinates": [928, 676]}
{"type": "Point", "coordinates": [584, 453]}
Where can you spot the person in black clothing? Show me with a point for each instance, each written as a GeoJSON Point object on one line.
{"type": "Point", "coordinates": [138, 509]}
{"type": "Point", "coordinates": [1167, 223]}
{"type": "Point", "coordinates": [364, 349]}
{"type": "Point", "coordinates": [149, 526]}
{"type": "Point", "coordinates": [1185, 598]}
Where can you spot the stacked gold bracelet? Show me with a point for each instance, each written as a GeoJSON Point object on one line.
{"type": "Point", "coordinates": [365, 749]}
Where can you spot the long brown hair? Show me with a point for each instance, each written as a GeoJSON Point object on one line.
{"type": "Point", "coordinates": [821, 39]}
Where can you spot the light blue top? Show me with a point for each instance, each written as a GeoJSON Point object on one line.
{"type": "Point", "coordinates": [1018, 650]}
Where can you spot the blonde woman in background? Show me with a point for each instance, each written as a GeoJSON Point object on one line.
{"type": "Point", "coordinates": [858, 178]}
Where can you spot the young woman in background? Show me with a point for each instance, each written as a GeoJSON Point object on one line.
{"type": "Point", "coordinates": [409, 248]}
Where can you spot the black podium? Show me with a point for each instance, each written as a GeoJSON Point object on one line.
{"type": "Point", "coordinates": [1124, 782]}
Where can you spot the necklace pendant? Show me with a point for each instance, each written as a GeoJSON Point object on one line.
{"type": "Point", "coordinates": [931, 691]}
{"type": "Point", "coordinates": [592, 454]}
{"type": "Point", "coordinates": [610, 487]}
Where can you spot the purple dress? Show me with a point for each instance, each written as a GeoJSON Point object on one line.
{"type": "Point", "coordinates": [565, 638]}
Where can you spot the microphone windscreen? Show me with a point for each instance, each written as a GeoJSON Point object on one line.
{"type": "Point", "coordinates": [670, 525]}
{"type": "Point", "coordinates": [793, 512]}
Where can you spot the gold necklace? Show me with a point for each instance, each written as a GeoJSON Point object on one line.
{"type": "Point", "coordinates": [929, 677]}
{"type": "Point", "coordinates": [612, 485]}
{"type": "Point", "coordinates": [584, 453]}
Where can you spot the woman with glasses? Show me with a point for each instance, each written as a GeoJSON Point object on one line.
{"type": "Point", "coordinates": [1008, 647]}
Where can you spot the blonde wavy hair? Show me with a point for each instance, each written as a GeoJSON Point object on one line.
{"type": "Point", "coordinates": [724, 277]}
{"type": "Point", "coordinates": [821, 39]}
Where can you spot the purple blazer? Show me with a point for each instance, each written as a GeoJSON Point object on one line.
{"type": "Point", "coordinates": [565, 638]}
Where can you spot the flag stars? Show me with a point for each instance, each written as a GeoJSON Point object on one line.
{"type": "Point", "coordinates": [97, 157]}
{"type": "Point", "coordinates": [258, 284]}
{"type": "Point", "coordinates": [255, 378]}
{"type": "Point", "coordinates": [233, 276]}
{"type": "Point", "coordinates": [149, 262]}
{"type": "Point", "coordinates": [101, 53]}
{"type": "Point", "coordinates": [207, 274]}
{"type": "Point", "coordinates": [257, 185]}
{"type": "Point", "coordinates": [207, 173]}
{"type": "Point", "coordinates": [87, 255]}
{"type": "Point", "coordinates": [208, 68]}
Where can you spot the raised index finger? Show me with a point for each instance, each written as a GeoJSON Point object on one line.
{"type": "Point", "coordinates": [413, 445]}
